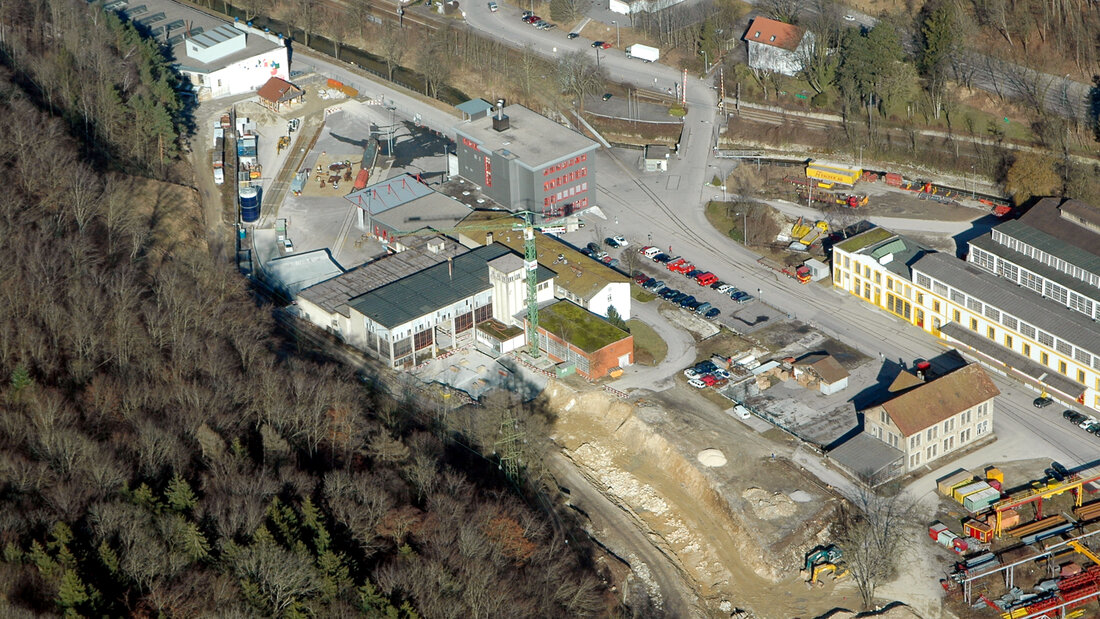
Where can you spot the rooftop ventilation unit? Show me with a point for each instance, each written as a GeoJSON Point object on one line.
{"type": "Point", "coordinates": [500, 120]}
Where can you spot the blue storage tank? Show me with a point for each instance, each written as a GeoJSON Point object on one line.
{"type": "Point", "coordinates": [250, 204]}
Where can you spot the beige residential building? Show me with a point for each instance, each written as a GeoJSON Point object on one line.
{"type": "Point", "coordinates": [930, 420]}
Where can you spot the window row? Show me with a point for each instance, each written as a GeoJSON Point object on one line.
{"type": "Point", "coordinates": [557, 167]}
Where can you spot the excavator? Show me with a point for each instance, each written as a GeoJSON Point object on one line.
{"type": "Point", "coordinates": [822, 560]}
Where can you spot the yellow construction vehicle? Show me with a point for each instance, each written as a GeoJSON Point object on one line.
{"type": "Point", "coordinates": [839, 571]}
{"type": "Point", "coordinates": [822, 560]}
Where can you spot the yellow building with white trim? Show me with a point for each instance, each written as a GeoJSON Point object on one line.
{"type": "Point", "coordinates": [874, 266]}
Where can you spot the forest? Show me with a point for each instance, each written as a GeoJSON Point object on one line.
{"type": "Point", "coordinates": [165, 450]}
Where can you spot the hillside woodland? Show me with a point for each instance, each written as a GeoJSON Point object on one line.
{"type": "Point", "coordinates": [162, 451]}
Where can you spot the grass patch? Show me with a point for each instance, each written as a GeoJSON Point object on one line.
{"type": "Point", "coordinates": [719, 217]}
{"type": "Point", "coordinates": [579, 326]}
{"type": "Point", "coordinates": [649, 348]}
{"type": "Point", "coordinates": [640, 295]}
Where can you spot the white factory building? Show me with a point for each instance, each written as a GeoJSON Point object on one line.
{"type": "Point", "coordinates": [220, 58]}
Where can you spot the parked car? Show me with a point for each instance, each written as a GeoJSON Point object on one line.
{"type": "Point", "coordinates": [526, 14]}
{"type": "Point", "coordinates": [1073, 417]}
{"type": "Point", "coordinates": [712, 313]}
{"type": "Point", "coordinates": [673, 265]}
{"type": "Point", "coordinates": [706, 279]}
{"type": "Point", "coordinates": [723, 288]}
{"type": "Point", "coordinates": [690, 373]}
{"type": "Point", "coordinates": [698, 384]}
{"type": "Point", "coordinates": [720, 373]}
{"type": "Point", "coordinates": [593, 247]}
{"type": "Point", "coordinates": [703, 307]}
{"type": "Point", "coordinates": [606, 96]}
{"type": "Point", "coordinates": [611, 242]}
{"type": "Point", "coordinates": [708, 379]}
{"type": "Point", "coordinates": [641, 279]}
{"type": "Point", "coordinates": [620, 239]}
{"type": "Point", "coordinates": [1042, 402]}
{"type": "Point", "coordinates": [605, 45]}
{"type": "Point", "coordinates": [1088, 421]}
{"type": "Point", "coordinates": [572, 35]}
{"type": "Point", "coordinates": [649, 251]}
{"type": "Point", "coordinates": [662, 258]}
{"type": "Point", "coordinates": [693, 273]}
{"type": "Point", "coordinates": [614, 263]}
{"type": "Point", "coordinates": [718, 284]}
{"type": "Point", "coordinates": [687, 301]}
{"type": "Point", "coordinates": [691, 307]}
{"type": "Point", "coordinates": [597, 43]}
{"type": "Point", "coordinates": [676, 298]}
{"type": "Point", "coordinates": [493, 7]}
{"type": "Point", "coordinates": [706, 367]}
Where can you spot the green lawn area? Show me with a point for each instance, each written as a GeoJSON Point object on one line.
{"type": "Point", "coordinates": [731, 226]}
{"type": "Point", "coordinates": [649, 348]}
{"type": "Point", "coordinates": [640, 295]}
{"type": "Point", "coordinates": [579, 326]}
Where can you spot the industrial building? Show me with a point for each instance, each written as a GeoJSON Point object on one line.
{"type": "Point", "coordinates": [931, 417]}
{"type": "Point", "coordinates": [1025, 302]}
{"type": "Point", "coordinates": [219, 59]}
{"type": "Point", "coordinates": [403, 204]}
{"type": "Point", "coordinates": [777, 46]}
{"type": "Point", "coordinates": [589, 283]}
{"type": "Point", "coordinates": [875, 266]}
{"type": "Point", "coordinates": [325, 304]}
{"type": "Point", "coordinates": [572, 335]}
{"type": "Point", "coordinates": [413, 317]}
{"type": "Point", "coordinates": [525, 161]}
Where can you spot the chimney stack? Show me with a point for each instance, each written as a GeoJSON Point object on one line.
{"type": "Point", "coordinates": [450, 268]}
{"type": "Point", "coordinates": [489, 238]}
{"type": "Point", "coordinates": [500, 121]}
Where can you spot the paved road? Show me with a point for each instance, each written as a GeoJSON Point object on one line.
{"type": "Point", "coordinates": [681, 350]}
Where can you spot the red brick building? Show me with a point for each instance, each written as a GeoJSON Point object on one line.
{"type": "Point", "coordinates": [568, 333]}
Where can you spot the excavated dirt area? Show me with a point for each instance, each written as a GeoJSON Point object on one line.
{"type": "Point", "coordinates": [738, 531]}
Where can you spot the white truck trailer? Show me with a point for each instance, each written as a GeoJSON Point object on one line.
{"type": "Point", "coordinates": [643, 52]}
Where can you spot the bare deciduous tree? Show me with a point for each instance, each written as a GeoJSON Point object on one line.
{"type": "Point", "coordinates": [874, 534]}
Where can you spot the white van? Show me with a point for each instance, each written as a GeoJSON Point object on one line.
{"type": "Point", "coordinates": [649, 252]}
{"type": "Point", "coordinates": [741, 411]}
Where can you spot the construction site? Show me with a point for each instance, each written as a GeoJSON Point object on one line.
{"type": "Point", "coordinates": [1022, 549]}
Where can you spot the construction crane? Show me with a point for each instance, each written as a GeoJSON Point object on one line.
{"type": "Point", "coordinates": [530, 264]}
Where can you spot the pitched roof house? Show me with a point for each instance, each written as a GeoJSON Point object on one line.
{"type": "Point", "coordinates": [936, 417]}
{"type": "Point", "coordinates": [777, 46]}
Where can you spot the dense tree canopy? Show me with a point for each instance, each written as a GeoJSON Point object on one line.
{"type": "Point", "coordinates": [161, 453]}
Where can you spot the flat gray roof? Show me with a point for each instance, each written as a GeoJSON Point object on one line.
{"type": "Point", "coordinates": [437, 286]}
{"type": "Point", "coordinates": [204, 23]}
{"type": "Point", "coordinates": [1054, 318]}
{"type": "Point", "coordinates": [295, 272]}
{"type": "Point", "coordinates": [533, 138]}
{"type": "Point", "coordinates": [865, 455]}
{"type": "Point", "coordinates": [985, 242]}
{"type": "Point", "coordinates": [474, 106]}
{"type": "Point", "coordinates": [332, 295]}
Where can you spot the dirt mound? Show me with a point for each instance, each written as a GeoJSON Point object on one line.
{"type": "Point", "coordinates": [769, 505]}
{"type": "Point", "coordinates": [723, 549]}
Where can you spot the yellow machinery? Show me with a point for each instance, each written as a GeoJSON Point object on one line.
{"type": "Point", "coordinates": [839, 571]}
{"type": "Point", "coordinates": [799, 229]}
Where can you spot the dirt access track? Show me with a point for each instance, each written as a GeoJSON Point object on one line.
{"type": "Point", "coordinates": [730, 536]}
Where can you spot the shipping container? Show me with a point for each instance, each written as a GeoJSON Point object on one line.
{"type": "Point", "coordinates": [1009, 519]}
{"type": "Point", "coordinates": [949, 483]}
{"type": "Point", "coordinates": [978, 501]}
{"type": "Point", "coordinates": [935, 530]}
{"type": "Point", "coordinates": [995, 473]}
{"type": "Point", "coordinates": [961, 492]}
{"type": "Point", "coordinates": [978, 530]}
{"type": "Point", "coordinates": [947, 539]}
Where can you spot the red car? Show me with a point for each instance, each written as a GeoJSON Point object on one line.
{"type": "Point", "coordinates": [606, 46]}
{"type": "Point", "coordinates": [709, 380]}
{"type": "Point", "coordinates": [675, 264]}
{"type": "Point", "coordinates": [641, 279]}
{"type": "Point", "coordinates": [706, 279]}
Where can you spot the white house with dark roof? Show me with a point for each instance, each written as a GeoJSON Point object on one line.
{"type": "Point", "coordinates": [777, 46]}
